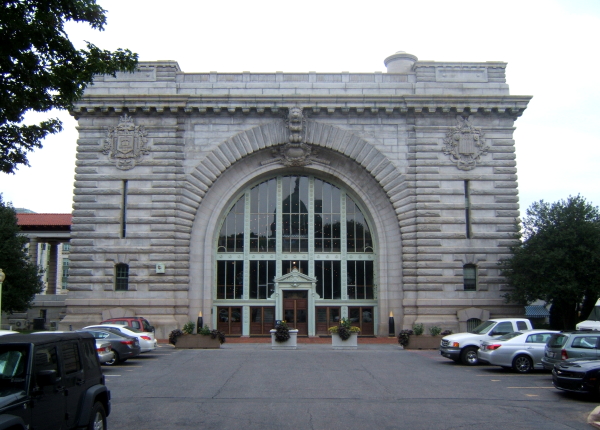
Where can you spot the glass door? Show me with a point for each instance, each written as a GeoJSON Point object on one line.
{"type": "Point", "coordinates": [295, 310]}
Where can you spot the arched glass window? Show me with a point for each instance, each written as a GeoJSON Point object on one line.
{"type": "Point", "coordinates": [121, 277]}
{"type": "Point", "coordinates": [295, 221]}
{"type": "Point", "coordinates": [470, 277]}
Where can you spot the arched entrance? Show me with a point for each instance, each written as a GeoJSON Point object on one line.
{"type": "Point", "coordinates": [292, 230]}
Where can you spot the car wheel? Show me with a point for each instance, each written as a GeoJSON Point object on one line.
{"type": "Point", "coordinates": [97, 418]}
{"type": "Point", "coordinates": [468, 356]}
{"type": "Point", "coordinates": [114, 361]}
{"type": "Point", "coordinates": [522, 364]}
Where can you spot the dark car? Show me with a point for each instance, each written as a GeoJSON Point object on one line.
{"type": "Point", "coordinates": [139, 323]}
{"type": "Point", "coordinates": [36, 373]}
{"type": "Point", "coordinates": [123, 346]}
{"type": "Point", "coordinates": [578, 375]}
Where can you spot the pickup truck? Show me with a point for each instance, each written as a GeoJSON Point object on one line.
{"type": "Point", "coordinates": [462, 347]}
{"type": "Point", "coordinates": [593, 321]}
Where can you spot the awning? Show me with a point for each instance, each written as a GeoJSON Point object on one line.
{"type": "Point", "coordinates": [536, 312]}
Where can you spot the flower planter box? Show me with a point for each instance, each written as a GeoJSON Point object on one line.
{"type": "Point", "coordinates": [350, 343]}
{"type": "Point", "coordinates": [197, 341]}
{"type": "Point", "coordinates": [291, 343]}
{"type": "Point", "coordinates": [424, 342]}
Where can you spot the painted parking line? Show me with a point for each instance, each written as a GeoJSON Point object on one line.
{"type": "Point", "coordinates": [533, 388]}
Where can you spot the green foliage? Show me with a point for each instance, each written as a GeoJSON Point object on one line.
{"type": "Point", "coordinates": [344, 329]}
{"type": "Point", "coordinates": [434, 330]}
{"type": "Point", "coordinates": [204, 330]}
{"type": "Point", "coordinates": [404, 337]}
{"type": "Point", "coordinates": [23, 277]}
{"type": "Point", "coordinates": [40, 69]}
{"type": "Point", "coordinates": [418, 329]}
{"type": "Point", "coordinates": [558, 259]}
{"type": "Point", "coordinates": [188, 328]}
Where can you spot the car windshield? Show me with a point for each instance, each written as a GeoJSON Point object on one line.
{"type": "Point", "coordinates": [510, 335]}
{"type": "Point", "coordinates": [13, 366]}
{"type": "Point", "coordinates": [483, 327]}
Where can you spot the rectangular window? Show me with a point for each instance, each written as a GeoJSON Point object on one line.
{"type": "Point", "coordinates": [66, 247]}
{"type": "Point", "coordinates": [263, 208]}
{"type": "Point", "coordinates": [327, 217]}
{"type": "Point", "coordinates": [65, 273]}
{"type": "Point", "coordinates": [121, 277]}
{"type": "Point", "coordinates": [261, 279]}
{"type": "Point", "coordinates": [467, 210]}
{"type": "Point", "coordinates": [230, 279]}
{"type": "Point", "coordinates": [328, 279]}
{"type": "Point", "coordinates": [470, 277]}
{"type": "Point", "coordinates": [124, 211]}
{"type": "Point", "coordinates": [360, 280]}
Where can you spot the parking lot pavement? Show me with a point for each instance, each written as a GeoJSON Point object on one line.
{"type": "Point", "coordinates": [251, 386]}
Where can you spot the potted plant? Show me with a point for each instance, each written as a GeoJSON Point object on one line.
{"type": "Point", "coordinates": [282, 337]}
{"type": "Point", "coordinates": [344, 335]}
{"type": "Point", "coordinates": [419, 340]}
{"type": "Point", "coordinates": [205, 339]}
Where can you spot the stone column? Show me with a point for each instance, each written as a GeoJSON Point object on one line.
{"type": "Point", "coordinates": [33, 250]}
{"type": "Point", "coordinates": [52, 267]}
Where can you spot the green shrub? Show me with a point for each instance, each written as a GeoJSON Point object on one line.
{"type": "Point", "coordinates": [418, 329]}
{"type": "Point", "coordinates": [434, 330]}
{"type": "Point", "coordinates": [188, 328]}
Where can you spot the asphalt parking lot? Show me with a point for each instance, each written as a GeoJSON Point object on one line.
{"type": "Point", "coordinates": [250, 386]}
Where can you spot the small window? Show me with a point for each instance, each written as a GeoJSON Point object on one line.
{"type": "Point", "coordinates": [470, 277]}
{"type": "Point", "coordinates": [503, 328]}
{"type": "Point", "coordinates": [586, 342]}
{"type": "Point", "coordinates": [66, 247]}
{"type": "Point", "coordinates": [472, 324]}
{"type": "Point", "coordinates": [521, 325]}
{"type": "Point", "coordinates": [121, 277]}
{"type": "Point", "coordinates": [72, 362]}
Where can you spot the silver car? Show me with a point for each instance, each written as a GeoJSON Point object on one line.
{"type": "Point", "coordinates": [521, 350]}
{"type": "Point", "coordinates": [104, 350]}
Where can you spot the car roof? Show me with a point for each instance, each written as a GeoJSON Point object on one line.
{"type": "Point", "coordinates": [43, 338]}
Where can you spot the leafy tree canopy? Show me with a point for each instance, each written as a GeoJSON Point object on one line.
{"type": "Point", "coordinates": [40, 69]}
{"type": "Point", "coordinates": [558, 259]}
{"type": "Point", "coordinates": [23, 278]}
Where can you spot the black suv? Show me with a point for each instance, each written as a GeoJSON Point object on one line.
{"type": "Point", "coordinates": [51, 381]}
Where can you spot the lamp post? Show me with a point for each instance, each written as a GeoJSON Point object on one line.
{"type": "Point", "coordinates": [391, 325]}
{"type": "Point", "coordinates": [2, 276]}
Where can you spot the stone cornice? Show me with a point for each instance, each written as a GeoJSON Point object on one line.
{"type": "Point", "coordinates": [512, 105]}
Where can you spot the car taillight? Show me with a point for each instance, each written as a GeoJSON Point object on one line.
{"type": "Point", "coordinates": [101, 349]}
{"type": "Point", "coordinates": [564, 355]}
{"type": "Point", "coordinates": [127, 342]}
{"type": "Point", "coordinates": [146, 337]}
{"type": "Point", "coordinates": [493, 347]}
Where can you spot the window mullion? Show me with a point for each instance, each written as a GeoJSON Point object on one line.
{"type": "Point", "coordinates": [279, 227]}
{"type": "Point", "coordinates": [246, 263]}
{"type": "Point", "coordinates": [343, 247]}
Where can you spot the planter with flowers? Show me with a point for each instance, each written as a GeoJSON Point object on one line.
{"type": "Point", "coordinates": [344, 335]}
{"type": "Point", "coordinates": [282, 337]}
{"type": "Point", "coordinates": [205, 339]}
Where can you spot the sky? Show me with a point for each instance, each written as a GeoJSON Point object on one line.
{"type": "Point", "coordinates": [550, 47]}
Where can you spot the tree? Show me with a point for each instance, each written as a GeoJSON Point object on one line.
{"type": "Point", "coordinates": [557, 260]}
{"type": "Point", "coordinates": [23, 277]}
{"type": "Point", "coordinates": [40, 69]}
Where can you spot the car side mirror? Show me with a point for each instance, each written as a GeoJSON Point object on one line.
{"type": "Point", "coordinates": [45, 378]}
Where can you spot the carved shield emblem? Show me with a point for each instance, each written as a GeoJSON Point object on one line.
{"type": "Point", "coordinates": [465, 144]}
{"type": "Point", "coordinates": [125, 144]}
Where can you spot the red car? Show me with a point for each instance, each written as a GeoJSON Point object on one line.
{"type": "Point", "coordinates": [139, 323]}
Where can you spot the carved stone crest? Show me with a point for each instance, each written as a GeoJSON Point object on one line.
{"type": "Point", "coordinates": [126, 143]}
{"type": "Point", "coordinates": [465, 144]}
{"type": "Point", "coordinates": [295, 152]}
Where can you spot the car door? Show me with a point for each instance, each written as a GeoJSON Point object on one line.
{"type": "Point", "coordinates": [535, 345]}
{"type": "Point", "coordinates": [48, 402]}
{"type": "Point", "coordinates": [73, 379]}
{"type": "Point", "coordinates": [584, 346]}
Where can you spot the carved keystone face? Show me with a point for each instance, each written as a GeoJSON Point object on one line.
{"type": "Point", "coordinates": [295, 114]}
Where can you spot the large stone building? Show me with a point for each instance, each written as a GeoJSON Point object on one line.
{"type": "Point", "coordinates": [249, 197]}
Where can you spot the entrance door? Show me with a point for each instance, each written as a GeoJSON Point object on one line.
{"type": "Point", "coordinates": [362, 317]}
{"type": "Point", "coordinates": [295, 310]}
{"type": "Point", "coordinates": [262, 320]}
{"type": "Point", "coordinates": [326, 316]}
{"type": "Point", "coordinates": [229, 320]}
